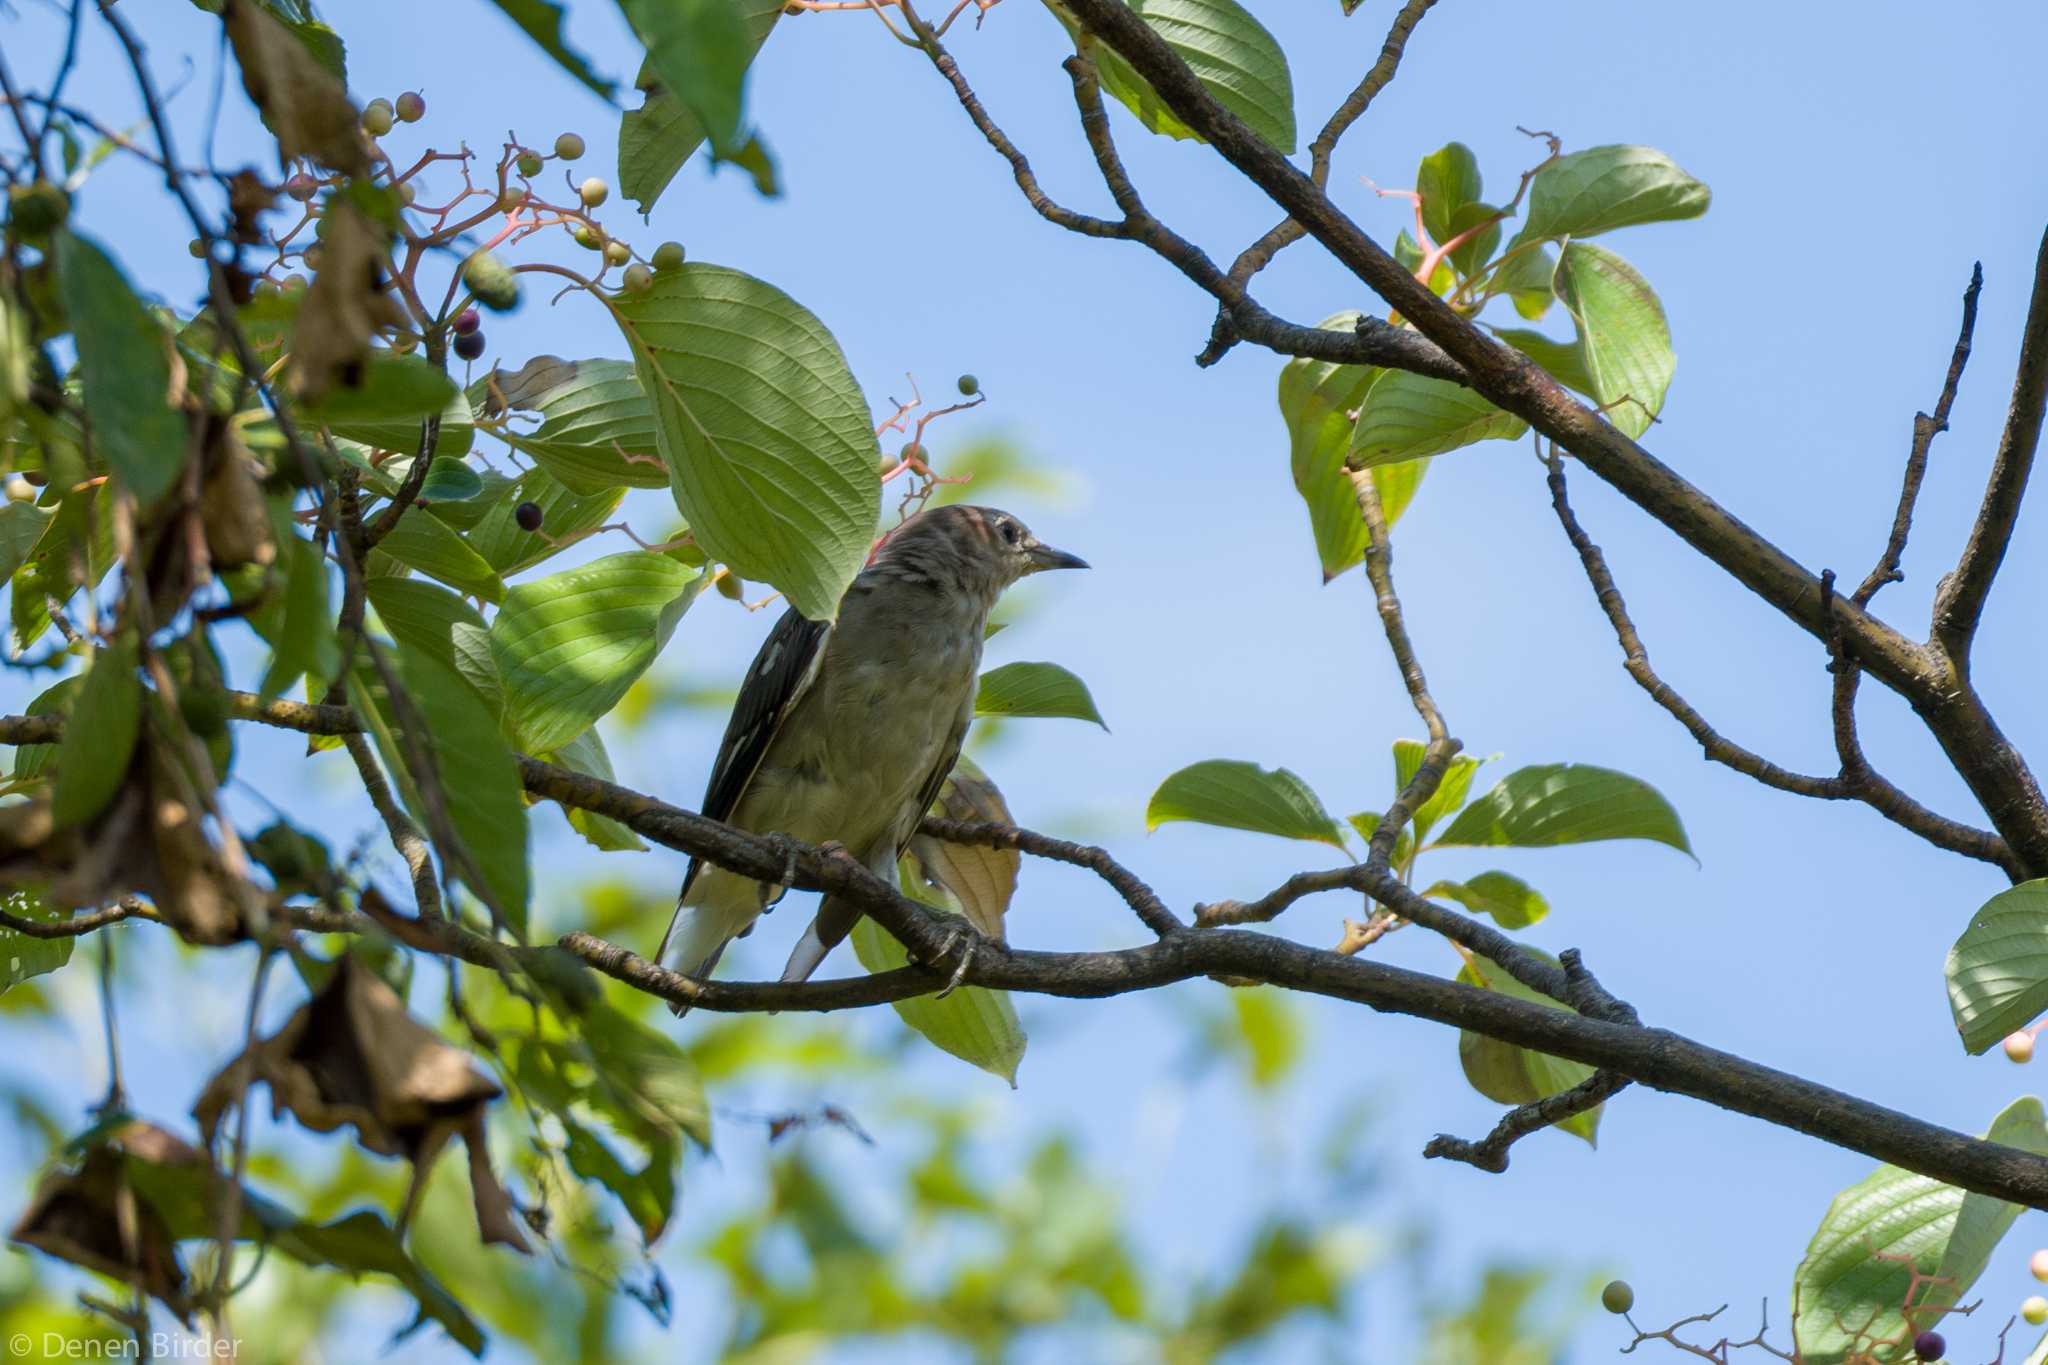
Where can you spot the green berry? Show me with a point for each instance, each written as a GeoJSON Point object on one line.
{"type": "Point", "coordinates": [593, 192]}
{"type": "Point", "coordinates": [407, 193]}
{"type": "Point", "coordinates": [492, 281]}
{"type": "Point", "coordinates": [617, 252]}
{"type": "Point", "coordinates": [568, 146]}
{"type": "Point", "coordinates": [1617, 1297]}
{"type": "Point", "coordinates": [586, 236]}
{"type": "Point", "coordinates": [668, 256]}
{"type": "Point", "coordinates": [638, 279]}
{"type": "Point", "coordinates": [969, 385]}
{"type": "Point", "coordinates": [411, 108]}
{"type": "Point", "coordinates": [197, 248]}
{"type": "Point", "coordinates": [37, 208]}
{"type": "Point", "coordinates": [378, 117]}
{"type": "Point", "coordinates": [529, 164]}
{"type": "Point", "coordinates": [2035, 1310]}
{"type": "Point", "coordinates": [2019, 1047]}
{"type": "Point", "coordinates": [512, 200]}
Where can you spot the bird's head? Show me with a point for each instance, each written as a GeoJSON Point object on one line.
{"type": "Point", "coordinates": [980, 548]}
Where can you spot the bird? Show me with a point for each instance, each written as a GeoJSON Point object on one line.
{"type": "Point", "coordinates": [844, 731]}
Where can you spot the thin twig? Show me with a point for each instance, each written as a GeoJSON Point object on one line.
{"type": "Point", "coordinates": [1490, 1153]}
{"type": "Point", "coordinates": [1142, 899]}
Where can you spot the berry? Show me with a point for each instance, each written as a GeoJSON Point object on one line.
{"type": "Point", "coordinates": [969, 385]}
{"type": "Point", "coordinates": [407, 193]}
{"type": "Point", "coordinates": [411, 108]}
{"type": "Point", "coordinates": [586, 236]}
{"type": "Point", "coordinates": [294, 284]}
{"type": "Point", "coordinates": [1930, 1345]}
{"type": "Point", "coordinates": [37, 208]}
{"type": "Point", "coordinates": [301, 187]}
{"type": "Point", "coordinates": [1617, 1297]}
{"type": "Point", "coordinates": [313, 255]}
{"type": "Point", "coordinates": [568, 146]}
{"type": "Point", "coordinates": [617, 252]}
{"type": "Point", "coordinates": [2035, 1310]}
{"type": "Point", "coordinates": [492, 281]}
{"type": "Point", "coordinates": [528, 515]}
{"type": "Point", "coordinates": [2019, 1047]}
{"type": "Point", "coordinates": [593, 192]}
{"type": "Point", "coordinates": [912, 451]}
{"type": "Point", "coordinates": [639, 279]}
{"type": "Point", "coordinates": [197, 247]}
{"type": "Point", "coordinates": [467, 321]}
{"type": "Point", "coordinates": [378, 117]}
{"type": "Point", "coordinates": [668, 256]}
{"type": "Point", "coordinates": [730, 586]}
{"type": "Point", "coordinates": [529, 164]}
{"type": "Point", "coordinates": [512, 200]}
{"type": "Point", "coordinates": [2039, 1265]}
{"type": "Point", "coordinates": [405, 343]}
{"type": "Point", "coordinates": [470, 345]}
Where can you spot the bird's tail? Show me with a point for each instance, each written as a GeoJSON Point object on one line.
{"type": "Point", "coordinates": [704, 923]}
{"type": "Point", "coordinates": [834, 921]}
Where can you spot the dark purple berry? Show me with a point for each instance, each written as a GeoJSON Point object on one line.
{"type": "Point", "coordinates": [467, 321]}
{"type": "Point", "coordinates": [469, 345]}
{"type": "Point", "coordinates": [527, 514]}
{"type": "Point", "coordinates": [1930, 1345]}
{"type": "Point", "coordinates": [301, 187]}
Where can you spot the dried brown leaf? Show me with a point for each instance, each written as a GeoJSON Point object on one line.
{"type": "Point", "coordinates": [305, 107]}
{"type": "Point", "coordinates": [982, 879]}
{"type": "Point", "coordinates": [344, 307]}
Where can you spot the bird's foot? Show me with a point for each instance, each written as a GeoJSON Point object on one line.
{"type": "Point", "coordinates": [964, 940]}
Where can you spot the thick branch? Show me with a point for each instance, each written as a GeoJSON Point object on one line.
{"type": "Point", "coordinates": [1960, 603]}
{"type": "Point", "coordinates": [1995, 773]}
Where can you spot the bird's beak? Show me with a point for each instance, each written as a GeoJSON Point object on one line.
{"type": "Point", "coordinates": [1044, 557]}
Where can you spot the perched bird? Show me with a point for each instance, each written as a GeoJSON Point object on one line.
{"type": "Point", "coordinates": [845, 732]}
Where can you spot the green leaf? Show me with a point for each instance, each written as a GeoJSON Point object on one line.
{"type": "Point", "coordinates": [1565, 361]}
{"type": "Point", "coordinates": [1035, 689]}
{"type": "Point", "coordinates": [658, 137]}
{"type": "Point", "coordinates": [99, 738]}
{"type": "Point", "coordinates": [1318, 401]}
{"type": "Point", "coordinates": [769, 448]}
{"type": "Point", "coordinates": [977, 1025]}
{"type": "Point", "coordinates": [597, 428]}
{"type": "Point", "coordinates": [507, 547]}
{"type": "Point", "coordinates": [1447, 181]}
{"type": "Point", "coordinates": [1470, 256]}
{"type": "Point", "coordinates": [1513, 903]}
{"type": "Point", "coordinates": [431, 620]}
{"type": "Point", "coordinates": [1407, 416]}
{"type": "Point", "coordinates": [1622, 333]}
{"type": "Point", "coordinates": [1997, 971]}
{"type": "Point", "coordinates": [1885, 1229]}
{"type": "Point", "coordinates": [449, 481]}
{"type": "Point", "coordinates": [1525, 275]}
{"type": "Point", "coordinates": [1239, 795]}
{"type": "Point", "coordinates": [980, 880]}
{"type": "Point", "coordinates": [424, 542]}
{"type": "Point", "coordinates": [21, 525]}
{"type": "Point", "coordinates": [542, 21]}
{"type": "Point", "coordinates": [586, 754]}
{"type": "Point", "coordinates": [23, 956]}
{"type": "Point", "coordinates": [1238, 62]}
{"type": "Point", "coordinates": [305, 644]}
{"type": "Point", "coordinates": [386, 408]}
{"type": "Point", "coordinates": [569, 645]}
{"type": "Point", "coordinates": [125, 368]}
{"type": "Point", "coordinates": [1604, 188]}
{"type": "Point", "coordinates": [701, 50]}
{"type": "Point", "coordinates": [1561, 803]}
{"type": "Point", "coordinates": [1451, 789]}
{"type": "Point", "coordinates": [32, 760]}
{"type": "Point", "coordinates": [1269, 1032]}
{"type": "Point", "coordinates": [645, 1080]}
{"type": "Point", "coordinates": [1367, 823]}
{"type": "Point", "coordinates": [649, 1194]}
{"type": "Point", "coordinates": [1515, 1075]}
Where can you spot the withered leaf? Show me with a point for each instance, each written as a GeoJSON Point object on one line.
{"type": "Point", "coordinates": [303, 104]}
{"type": "Point", "coordinates": [353, 1056]}
{"type": "Point", "coordinates": [982, 879]}
{"type": "Point", "coordinates": [344, 307]}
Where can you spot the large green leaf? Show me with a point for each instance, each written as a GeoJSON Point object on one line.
{"type": "Point", "coordinates": [125, 367]}
{"type": "Point", "coordinates": [586, 754]}
{"type": "Point", "coordinates": [32, 760]}
{"type": "Point", "coordinates": [1622, 333]}
{"type": "Point", "coordinates": [1318, 401]}
{"type": "Point", "coordinates": [597, 427]}
{"type": "Point", "coordinates": [767, 440]}
{"type": "Point", "coordinates": [507, 547]}
{"type": "Point", "coordinates": [978, 1026]}
{"type": "Point", "coordinates": [1451, 789]}
{"type": "Point", "coordinates": [385, 411]}
{"type": "Point", "coordinates": [1448, 180]}
{"type": "Point", "coordinates": [429, 618]}
{"type": "Point", "coordinates": [99, 738]}
{"type": "Point", "coordinates": [658, 137]}
{"type": "Point", "coordinates": [1998, 970]}
{"type": "Point", "coordinates": [1516, 1075]}
{"type": "Point", "coordinates": [1035, 689]}
{"type": "Point", "coordinates": [304, 643]}
{"type": "Point", "coordinates": [1513, 903]}
{"type": "Point", "coordinates": [1566, 803]}
{"type": "Point", "coordinates": [424, 542]}
{"type": "Point", "coordinates": [1888, 1228]}
{"type": "Point", "coordinates": [1407, 416]}
{"type": "Point", "coordinates": [1240, 795]}
{"type": "Point", "coordinates": [646, 1083]}
{"type": "Point", "coordinates": [22, 955]}
{"type": "Point", "coordinates": [1604, 188]}
{"type": "Point", "coordinates": [569, 645]}
{"type": "Point", "coordinates": [1238, 62]}
{"type": "Point", "coordinates": [21, 525]}
{"type": "Point", "coordinates": [542, 22]}
{"type": "Point", "coordinates": [1524, 275]}
{"type": "Point", "coordinates": [1565, 361]}
{"type": "Point", "coordinates": [700, 49]}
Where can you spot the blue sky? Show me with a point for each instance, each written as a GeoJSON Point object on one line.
{"type": "Point", "coordinates": [1858, 166]}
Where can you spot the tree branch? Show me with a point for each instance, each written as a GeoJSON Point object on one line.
{"type": "Point", "coordinates": [1490, 1153]}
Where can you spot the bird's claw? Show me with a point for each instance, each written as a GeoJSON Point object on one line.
{"type": "Point", "coordinates": [965, 942]}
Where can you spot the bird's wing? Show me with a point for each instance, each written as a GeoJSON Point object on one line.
{"type": "Point", "coordinates": [776, 681]}
{"type": "Point", "coordinates": [935, 781]}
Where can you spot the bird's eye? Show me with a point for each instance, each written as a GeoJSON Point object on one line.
{"type": "Point", "coordinates": [1010, 533]}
